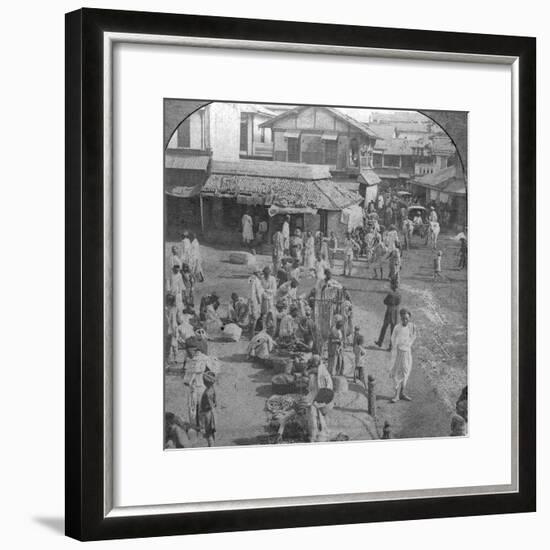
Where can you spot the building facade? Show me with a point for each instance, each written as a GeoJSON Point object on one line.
{"type": "Point", "coordinates": [255, 140]}
{"type": "Point", "coordinates": [322, 135]}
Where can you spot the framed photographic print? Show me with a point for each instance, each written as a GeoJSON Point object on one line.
{"type": "Point", "coordinates": [300, 274]}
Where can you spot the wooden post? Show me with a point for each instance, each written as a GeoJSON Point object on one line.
{"type": "Point", "coordinates": [386, 434]}
{"type": "Point", "coordinates": [202, 214]}
{"type": "Point", "coordinates": [371, 395]}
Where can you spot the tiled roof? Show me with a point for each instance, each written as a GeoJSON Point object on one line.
{"type": "Point", "coordinates": [323, 194]}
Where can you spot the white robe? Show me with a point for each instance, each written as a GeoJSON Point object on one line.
{"type": "Point", "coordinates": [248, 233]}
{"type": "Point", "coordinates": [309, 253]}
{"type": "Point", "coordinates": [286, 235]}
{"type": "Point", "coordinates": [256, 292]}
{"type": "Point", "coordinates": [186, 251]}
{"type": "Point", "coordinates": [195, 264]}
{"type": "Point", "coordinates": [402, 340]}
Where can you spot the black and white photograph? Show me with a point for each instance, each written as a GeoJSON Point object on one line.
{"type": "Point", "coordinates": [316, 274]}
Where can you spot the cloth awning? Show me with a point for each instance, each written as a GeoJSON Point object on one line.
{"type": "Point", "coordinates": [183, 191]}
{"type": "Point", "coordinates": [275, 210]}
{"type": "Point", "coordinates": [330, 136]}
{"type": "Point", "coordinates": [292, 134]}
{"type": "Point", "coordinates": [183, 161]}
{"type": "Point", "coordinates": [352, 217]}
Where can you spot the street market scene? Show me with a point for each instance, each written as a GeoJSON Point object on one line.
{"type": "Point", "coordinates": [315, 266]}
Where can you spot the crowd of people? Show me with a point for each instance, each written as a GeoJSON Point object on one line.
{"type": "Point", "coordinates": [280, 309]}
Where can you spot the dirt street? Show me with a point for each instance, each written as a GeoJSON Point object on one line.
{"type": "Point", "coordinates": [439, 311]}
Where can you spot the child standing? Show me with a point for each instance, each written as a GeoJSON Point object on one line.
{"type": "Point", "coordinates": [207, 409]}
{"type": "Point", "coordinates": [437, 265]}
{"type": "Point", "coordinates": [360, 354]}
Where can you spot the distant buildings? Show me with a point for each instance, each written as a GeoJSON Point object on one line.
{"type": "Point", "coordinates": [304, 161]}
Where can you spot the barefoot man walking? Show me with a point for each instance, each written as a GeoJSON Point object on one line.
{"type": "Point", "coordinates": [402, 339]}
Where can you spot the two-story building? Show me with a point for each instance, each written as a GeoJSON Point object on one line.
{"type": "Point", "coordinates": [255, 140]}
{"type": "Point", "coordinates": [322, 135]}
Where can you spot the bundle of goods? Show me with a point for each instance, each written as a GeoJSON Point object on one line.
{"type": "Point", "coordinates": [301, 382]}
{"type": "Point", "coordinates": [324, 400]}
{"type": "Point", "coordinates": [231, 332]}
{"type": "Point", "coordinates": [242, 258]}
{"type": "Point", "coordinates": [280, 403]}
{"type": "Point", "coordinates": [340, 384]}
{"type": "Point", "coordinates": [283, 384]}
{"type": "Point", "coordinates": [292, 346]}
{"type": "Point", "coordinates": [225, 311]}
{"type": "Point", "coordinates": [280, 365]}
{"type": "Point", "coordinates": [285, 421]}
{"type": "Point", "coordinates": [301, 362]}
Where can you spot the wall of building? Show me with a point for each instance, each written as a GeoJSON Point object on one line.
{"type": "Point", "coordinates": [174, 176]}
{"type": "Point", "coordinates": [312, 222]}
{"type": "Point", "coordinates": [334, 224]}
{"type": "Point", "coordinates": [224, 128]}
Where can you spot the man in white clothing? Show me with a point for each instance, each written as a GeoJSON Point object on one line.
{"type": "Point", "coordinates": [286, 234]}
{"type": "Point", "coordinates": [247, 229]}
{"type": "Point", "coordinates": [402, 339]}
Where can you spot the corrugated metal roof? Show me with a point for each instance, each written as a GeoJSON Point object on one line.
{"type": "Point", "coordinates": [448, 180]}
{"type": "Point", "coordinates": [421, 127]}
{"type": "Point", "coordinates": [436, 179]}
{"type": "Point", "coordinates": [397, 116]}
{"type": "Point", "coordinates": [257, 108]}
{"type": "Point", "coordinates": [395, 146]}
{"type": "Point", "coordinates": [273, 169]}
{"type": "Point", "coordinates": [283, 192]}
{"type": "Point", "coordinates": [442, 144]}
{"type": "Point", "coordinates": [383, 131]}
{"type": "Point", "coordinates": [174, 158]}
{"type": "Point", "coordinates": [456, 187]}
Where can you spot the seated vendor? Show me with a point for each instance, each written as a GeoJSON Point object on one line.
{"type": "Point", "coordinates": [175, 432]}
{"type": "Point", "coordinates": [307, 328]}
{"type": "Point", "coordinates": [282, 274]}
{"type": "Point", "coordinates": [261, 344]}
{"type": "Point", "coordinates": [213, 323]}
{"type": "Point", "coordinates": [295, 271]}
{"type": "Point", "coordinates": [239, 310]}
{"type": "Point", "coordinates": [289, 325]}
{"type": "Point", "coordinates": [287, 291]}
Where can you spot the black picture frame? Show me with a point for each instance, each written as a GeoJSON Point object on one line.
{"type": "Point", "coordinates": [85, 518]}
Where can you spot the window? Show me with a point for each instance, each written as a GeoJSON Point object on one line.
{"type": "Point", "coordinates": [392, 161]}
{"type": "Point", "coordinates": [184, 133]}
{"type": "Point", "coordinates": [331, 151]}
{"type": "Point", "coordinates": [262, 135]}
